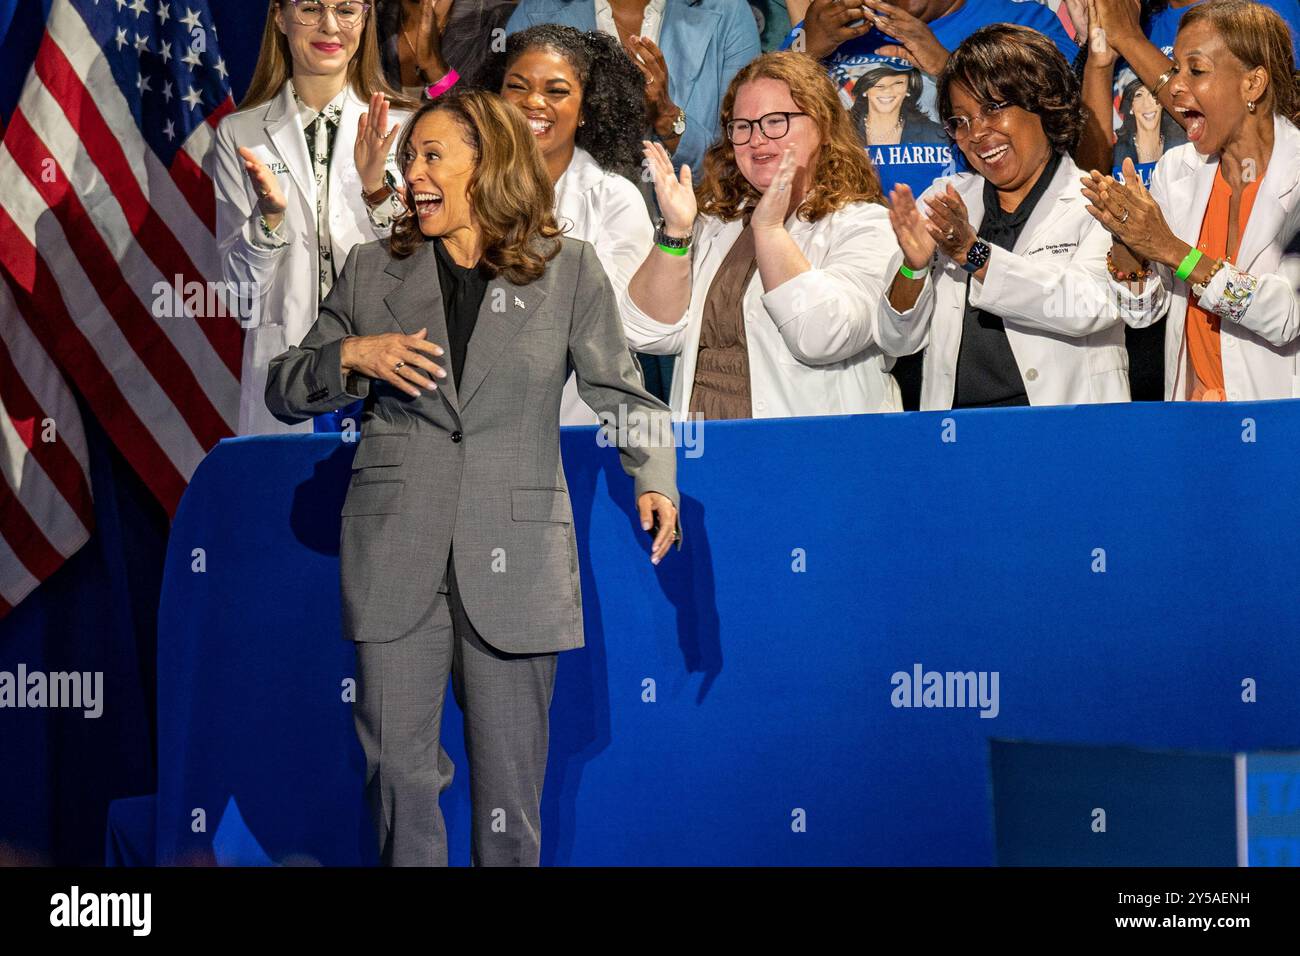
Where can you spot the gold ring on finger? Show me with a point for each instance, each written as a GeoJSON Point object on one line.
{"type": "Point", "coordinates": [398, 366]}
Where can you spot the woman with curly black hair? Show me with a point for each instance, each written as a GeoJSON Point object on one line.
{"type": "Point", "coordinates": [1002, 279]}
{"type": "Point", "coordinates": [585, 103]}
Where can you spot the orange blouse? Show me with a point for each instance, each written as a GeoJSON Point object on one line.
{"type": "Point", "coordinates": [1203, 344]}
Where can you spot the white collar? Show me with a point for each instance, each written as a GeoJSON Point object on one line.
{"type": "Point", "coordinates": [582, 173]}
{"type": "Point", "coordinates": [333, 109]}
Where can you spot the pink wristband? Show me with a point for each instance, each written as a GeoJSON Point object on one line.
{"type": "Point", "coordinates": [434, 90]}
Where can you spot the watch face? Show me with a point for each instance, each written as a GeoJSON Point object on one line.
{"type": "Point", "coordinates": [977, 256]}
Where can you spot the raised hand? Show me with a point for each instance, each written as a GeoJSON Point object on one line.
{"type": "Point", "coordinates": [1130, 214]}
{"type": "Point", "coordinates": [828, 23]}
{"type": "Point", "coordinates": [917, 42]}
{"type": "Point", "coordinates": [949, 224]}
{"type": "Point", "coordinates": [1100, 51]}
{"type": "Point", "coordinates": [270, 197]}
{"type": "Point", "coordinates": [660, 108]}
{"type": "Point", "coordinates": [773, 206]}
{"type": "Point", "coordinates": [675, 194]}
{"type": "Point", "coordinates": [374, 140]}
{"type": "Point", "coordinates": [910, 227]}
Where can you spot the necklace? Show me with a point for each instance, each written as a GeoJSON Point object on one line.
{"type": "Point", "coordinates": [419, 70]}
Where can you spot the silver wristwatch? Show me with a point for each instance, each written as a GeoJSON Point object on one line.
{"type": "Point", "coordinates": [672, 242]}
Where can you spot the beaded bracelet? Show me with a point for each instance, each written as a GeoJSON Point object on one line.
{"type": "Point", "coordinates": [1119, 276]}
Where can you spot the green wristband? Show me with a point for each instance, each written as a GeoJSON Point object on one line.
{"type": "Point", "coordinates": [1188, 264]}
{"type": "Point", "coordinates": [913, 273]}
{"type": "Point", "coordinates": [674, 251]}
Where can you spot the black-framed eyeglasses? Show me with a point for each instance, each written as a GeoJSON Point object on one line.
{"type": "Point", "coordinates": [773, 125]}
{"type": "Point", "coordinates": [959, 127]}
{"type": "Point", "coordinates": [349, 14]}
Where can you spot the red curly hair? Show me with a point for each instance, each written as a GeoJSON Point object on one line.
{"type": "Point", "coordinates": [842, 172]}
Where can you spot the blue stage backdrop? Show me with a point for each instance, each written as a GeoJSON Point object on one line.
{"type": "Point", "coordinates": [1122, 575]}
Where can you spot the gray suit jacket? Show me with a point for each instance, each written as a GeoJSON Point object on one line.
{"type": "Point", "coordinates": [475, 462]}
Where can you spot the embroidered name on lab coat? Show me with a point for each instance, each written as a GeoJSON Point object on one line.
{"type": "Point", "coordinates": [1054, 249]}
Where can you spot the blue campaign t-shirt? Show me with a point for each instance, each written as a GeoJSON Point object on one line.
{"type": "Point", "coordinates": [1143, 130]}
{"type": "Point", "coordinates": [893, 93]}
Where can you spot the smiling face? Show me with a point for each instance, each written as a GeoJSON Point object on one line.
{"type": "Point", "coordinates": [438, 168]}
{"type": "Point", "coordinates": [1009, 149]}
{"type": "Point", "coordinates": [323, 50]}
{"type": "Point", "coordinates": [1146, 110]}
{"type": "Point", "coordinates": [758, 159]}
{"type": "Point", "coordinates": [1211, 87]}
{"type": "Point", "coordinates": [544, 86]}
{"type": "Point", "coordinates": [888, 94]}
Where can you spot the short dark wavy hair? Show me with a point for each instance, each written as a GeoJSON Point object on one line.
{"type": "Point", "coordinates": [1005, 62]}
{"type": "Point", "coordinates": [613, 91]}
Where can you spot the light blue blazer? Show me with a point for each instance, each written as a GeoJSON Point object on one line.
{"type": "Point", "coordinates": [705, 43]}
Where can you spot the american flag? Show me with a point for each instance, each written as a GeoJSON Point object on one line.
{"type": "Point", "coordinates": [106, 218]}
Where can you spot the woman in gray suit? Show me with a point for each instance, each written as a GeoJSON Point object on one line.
{"type": "Point", "coordinates": [458, 333]}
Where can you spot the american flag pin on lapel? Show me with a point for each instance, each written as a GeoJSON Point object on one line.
{"type": "Point", "coordinates": [519, 303]}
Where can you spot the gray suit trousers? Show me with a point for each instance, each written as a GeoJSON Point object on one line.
{"type": "Point", "coordinates": [506, 699]}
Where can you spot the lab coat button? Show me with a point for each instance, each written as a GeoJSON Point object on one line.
{"type": "Point", "coordinates": [456, 436]}
{"type": "Point", "coordinates": [760, 406]}
{"type": "Point", "coordinates": [1031, 375]}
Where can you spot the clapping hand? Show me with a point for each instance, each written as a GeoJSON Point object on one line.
{"type": "Point", "coordinates": [675, 194]}
{"type": "Point", "coordinates": [910, 227]}
{"type": "Point", "coordinates": [374, 140]}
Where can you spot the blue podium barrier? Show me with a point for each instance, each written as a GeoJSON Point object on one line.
{"type": "Point", "coordinates": [861, 605]}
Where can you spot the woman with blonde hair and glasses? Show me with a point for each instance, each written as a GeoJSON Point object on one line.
{"type": "Point", "coordinates": [303, 173]}
{"type": "Point", "coordinates": [767, 279]}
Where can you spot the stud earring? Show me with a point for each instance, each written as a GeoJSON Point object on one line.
{"type": "Point", "coordinates": [1250, 105]}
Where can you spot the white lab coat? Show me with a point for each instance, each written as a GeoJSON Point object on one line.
{"type": "Point", "coordinates": [1259, 354]}
{"type": "Point", "coordinates": [1051, 292]}
{"type": "Point", "coordinates": [286, 278]}
{"type": "Point", "coordinates": [813, 340]}
{"type": "Point", "coordinates": [606, 210]}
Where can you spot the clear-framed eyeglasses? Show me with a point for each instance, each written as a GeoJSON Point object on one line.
{"type": "Point", "coordinates": [349, 14]}
{"type": "Point", "coordinates": [959, 127]}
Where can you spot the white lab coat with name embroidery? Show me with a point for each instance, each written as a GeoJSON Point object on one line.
{"type": "Point", "coordinates": [606, 210]}
{"type": "Point", "coordinates": [813, 341]}
{"type": "Point", "coordinates": [1261, 353]}
{"type": "Point", "coordinates": [286, 279]}
{"type": "Point", "coordinates": [1051, 292]}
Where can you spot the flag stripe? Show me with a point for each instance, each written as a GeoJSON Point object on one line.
{"type": "Point", "coordinates": [16, 582]}
{"type": "Point", "coordinates": [24, 535]}
{"type": "Point", "coordinates": [187, 218]}
{"type": "Point", "coordinates": [55, 329]}
{"type": "Point", "coordinates": [58, 465]}
{"type": "Point", "coordinates": [140, 274]}
{"type": "Point", "coordinates": [148, 227]}
{"type": "Point", "coordinates": [110, 275]}
{"type": "Point", "coordinates": [142, 333]}
{"type": "Point", "coordinates": [130, 386]}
